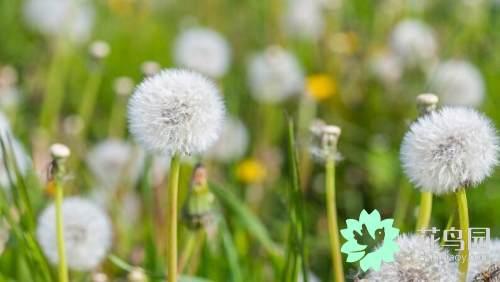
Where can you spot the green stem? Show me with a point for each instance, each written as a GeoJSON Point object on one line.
{"type": "Point", "coordinates": [402, 204]}
{"type": "Point", "coordinates": [54, 91]}
{"type": "Point", "coordinates": [61, 250]}
{"type": "Point", "coordinates": [89, 99]}
{"type": "Point", "coordinates": [117, 121]}
{"type": "Point", "coordinates": [173, 189]}
{"type": "Point", "coordinates": [333, 228]}
{"type": "Point", "coordinates": [463, 216]}
{"type": "Point", "coordinates": [424, 210]}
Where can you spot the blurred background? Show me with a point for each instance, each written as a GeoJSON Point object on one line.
{"type": "Point", "coordinates": [67, 67]}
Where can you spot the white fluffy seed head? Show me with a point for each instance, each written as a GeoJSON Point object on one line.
{"type": "Point", "coordinates": [414, 43]}
{"type": "Point", "coordinates": [304, 19]}
{"type": "Point", "coordinates": [387, 67]}
{"type": "Point", "coordinates": [114, 161]}
{"type": "Point", "coordinates": [203, 50]}
{"type": "Point", "coordinates": [448, 149]}
{"type": "Point", "coordinates": [457, 83]}
{"type": "Point", "coordinates": [232, 143]}
{"type": "Point", "coordinates": [419, 259]}
{"type": "Point", "coordinates": [274, 75]}
{"type": "Point", "coordinates": [87, 233]}
{"type": "Point", "coordinates": [67, 18]}
{"type": "Point", "coordinates": [99, 49]}
{"type": "Point", "coordinates": [123, 86]}
{"type": "Point", "coordinates": [482, 256]}
{"type": "Point", "coordinates": [176, 111]}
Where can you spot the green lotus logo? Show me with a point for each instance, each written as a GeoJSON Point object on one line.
{"type": "Point", "coordinates": [370, 240]}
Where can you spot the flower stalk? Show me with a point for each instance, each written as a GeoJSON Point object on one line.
{"type": "Point", "coordinates": [463, 216]}
{"type": "Point", "coordinates": [424, 210]}
{"type": "Point", "coordinates": [171, 217]}
{"type": "Point", "coordinates": [59, 153]}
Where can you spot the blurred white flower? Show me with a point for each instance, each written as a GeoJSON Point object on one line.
{"type": "Point", "coordinates": [9, 92]}
{"type": "Point", "coordinates": [176, 111]}
{"type": "Point", "coordinates": [87, 233]}
{"type": "Point", "coordinates": [232, 143]}
{"type": "Point", "coordinates": [274, 75]}
{"type": "Point", "coordinates": [484, 257]}
{"type": "Point", "coordinates": [304, 19]}
{"type": "Point", "coordinates": [203, 50]}
{"type": "Point", "coordinates": [113, 161]}
{"type": "Point", "coordinates": [457, 83]}
{"type": "Point", "coordinates": [414, 43]}
{"type": "Point", "coordinates": [448, 149]}
{"type": "Point", "coordinates": [68, 18]}
{"type": "Point", "coordinates": [387, 68]}
{"type": "Point", "coordinates": [419, 259]}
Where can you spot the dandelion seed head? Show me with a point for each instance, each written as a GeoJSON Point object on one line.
{"type": "Point", "coordinates": [123, 86]}
{"type": "Point", "coordinates": [304, 19]}
{"type": "Point", "coordinates": [414, 43]}
{"type": "Point", "coordinates": [114, 161]}
{"type": "Point", "coordinates": [176, 111]}
{"type": "Point", "coordinates": [203, 50]}
{"type": "Point", "coordinates": [67, 18]}
{"type": "Point", "coordinates": [448, 149]}
{"type": "Point", "coordinates": [150, 68]}
{"type": "Point", "coordinates": [232, 143]}
{"type": "Point", "coordinates": [274, 75]}
{"type": "Point", "coordinates": [387, 67]}
{"type": "Point", "coordinates": [483, 256]}
{"type": "Point", "coordinates": [457, 83]}
{"type": "Point", "coordinates": [87, 233]}
{"type": "Point", "coordinates": [99, 49]}
{"type": "Point", "coordinates": [419, 259]}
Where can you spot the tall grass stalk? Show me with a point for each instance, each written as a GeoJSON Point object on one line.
{"type": "Point", "coordinates": [333, 228]}
{"type": "Point", "coordinates": [171, 217]}
{"type": "Point", "coordinates": [424, 211]}
{"type": "Point", "coordinates": [463, 216]}
{"type": "Point", "coordinates": [90, 93]}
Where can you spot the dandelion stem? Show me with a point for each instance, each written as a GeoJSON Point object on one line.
{"type": "Point", "coordinates": [424, 210]}
{"type": "Point", "coordinates": [463, 215]}
{"type": "Point", "coordinates": [402, 204]}
{"type": "Point", "coordinates": [61, 250]}
{"type": "Point", "coordinates": [333, 228]}
{"type": "Point", "coordinates": [173, 187]}
{"type": "Point", "coordinates": [89, 99]}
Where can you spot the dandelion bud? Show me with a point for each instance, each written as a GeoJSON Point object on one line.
{"type": "Point", "coordinates": [59, 151]}
{"type": "Point", "coordinates": [427, 103]}
{"type": "Point", "coordinates": [123, 86]}
{"type": "Point", "coordinates": [137, 275]}
{"type": "Point", "coordinates": [99, 50]}
{"type": "Point", "coordinates": [324, 140]}
{"type": "Point", "coordinates": [150, 68]}
{"type": "Point", "coordinates": [198, 210]}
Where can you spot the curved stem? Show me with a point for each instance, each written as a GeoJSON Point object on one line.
{"type": "Point", "coordinates": [463, 216]}
{"type": "Point", "coordinates": [333, 228]}
{"type": "Point", "coordinates": [61, 250]}
{"type": "Point", "coordinates": [424, 210]}
{"type": "Point", "coordinates": [173, 188]}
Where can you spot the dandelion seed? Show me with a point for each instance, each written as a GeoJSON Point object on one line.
{"type": "Point", "coordinates": [448, 149]}
{"type": "Point", "coordinates": [414, 43]}
{"type": "Point", "coordinates": [203, 50]}
{"type": "Point", "coordinates": [457, 83]}
{"type": "Point", "coordinates": [176, 111]}
{"type": "Point", "coordinates": [232, 143]}
{"type": "Point", "coordinates": [419, 259]}
{"type": "Point", "coordinates": [274, 75]}
{"type": "Point", "coordinates": [111, 161]}
{"type": "Point", "coordinates": [87, 233]}
{"type": "Point", "coordinates": [68, 18]}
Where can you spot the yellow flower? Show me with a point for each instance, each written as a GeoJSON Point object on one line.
{"type": "Point", "coordinates": [320, 86]}
{"type": "Point", "coordinates": [251, 171]}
